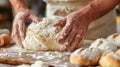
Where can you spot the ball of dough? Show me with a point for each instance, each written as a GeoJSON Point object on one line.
{"type": "Point", "coordinates": [1, 41]}
{"type": "Point", "coordinates": [6, 38]}
{"type": "Point", "coordinates": [42, 36]}
{"type": "Point", "coordinates": [109, 59]}
{"type": "Point", "coordinates": [118, 52]}
{"type": "Point", "coordinates": [23, 65]}
{"type": "Point", "coordinates": [114, 38]}
{"type": "Point", "coordinates": [103, 45]}
{"type": "Point", "coordinates": [85, 56]}
{"type": "Point", "coordinates": [39, 64]}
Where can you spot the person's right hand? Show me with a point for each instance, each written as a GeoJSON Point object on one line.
{"type": "Point", "coordinates": [21, 18]}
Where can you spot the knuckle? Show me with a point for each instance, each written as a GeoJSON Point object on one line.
{"type": "Point", "coordinates": [66, 43]}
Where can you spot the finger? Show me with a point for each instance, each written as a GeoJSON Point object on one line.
{"type": "Point", "coordinates": [76, 41]}
{"type": "Point", "coordinates": [63, 35]}
{"type": "Point", "coordinates": [63, 48]}
{"type": "Point", "coordinates": [34, 18]}
{"type": "Point", "coordinates": [21, 29]}
{"type": "Point", "coordinates": [69, 39]}
{"type": "Point", "coordinates": [61, 22]}
{"type": "Point", "coordinates": [15, 34]}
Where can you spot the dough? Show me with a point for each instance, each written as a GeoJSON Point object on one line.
{"type": "Point", "coordinates": [109, 59]}
{"type": "Point", "coordinates": [103, 45]}
{"type": "Point", "coordinates": [118, 52]}
{"type": "Point", "coordinates": [114, 38]}
{"type": "Point", "coordinates": [24, 65]}
{"type": "Point", "coordinates": [42, 36]}
{"type": "Point", "coordinates": [39, 64]}
{"type": "Point", "coordinates": [36, 64]}
{"type": "Point", "coordinates": [88, 56]}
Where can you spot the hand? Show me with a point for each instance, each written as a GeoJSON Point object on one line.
{"type": "Point", "coordinates": [75, 27]}
{"type": "Point", "coordinates": [21, 18]}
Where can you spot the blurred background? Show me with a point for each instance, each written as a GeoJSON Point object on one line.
{"type": "Point", "coordinates": [38, 7]}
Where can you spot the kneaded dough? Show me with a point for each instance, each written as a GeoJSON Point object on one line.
{"type": "Point", "coordinates": [42, 36]}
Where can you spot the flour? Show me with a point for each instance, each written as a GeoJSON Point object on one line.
{"type": "Point", "coordinates": [103, 45]}
{"type": "Point", "coordinates": [42, 36]}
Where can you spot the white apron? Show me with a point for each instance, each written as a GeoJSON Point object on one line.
{"type": "Point", "coordinates": [102, 27]}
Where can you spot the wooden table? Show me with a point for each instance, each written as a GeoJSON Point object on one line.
{"type": "Point", "coordinates": [12, 55]}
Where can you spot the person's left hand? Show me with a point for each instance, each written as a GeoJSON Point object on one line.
{"type": "Point", "coordinates": [19, 25]}
{"type": "Point", "coordinates": [74, 28]}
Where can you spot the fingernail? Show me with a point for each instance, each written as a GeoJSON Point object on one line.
{"type": "Point", "coordinates": [64, 34]}
{"type": "Point", "coordinates": [63, 48]}
{"type": "Point", "coordinates": [69, 50]}
{"type": "Point", "coordinates": [77, 35]}
{"type": "Point", "coordinates": [66, 43]}
{"type": "Point", "coordinates": [37, 19]}
{"type": "Point", "coordinates": [60, 39]}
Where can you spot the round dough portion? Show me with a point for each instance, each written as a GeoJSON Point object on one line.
{"type": "Point", "coordinates": [118, 52]}
{"type": "Point", "coordinates": [43, 35]}
{"type": "Point", "coordinates": [39, 64]}
{"type": "Point", "coordinates": [88, 56]}
{"type": "Point", "coordinates": [109, 59]}
{"type": "Point", "coordinates": [114, 38]}
{"type": "Point", "coordinates": [103, 45]}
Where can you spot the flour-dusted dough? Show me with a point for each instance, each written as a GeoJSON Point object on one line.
{"type": "Point", "coordinates": [109, 59]}
{"type": "Point", "coordinates": [39, 64]}
{"type": "Point", "coordinates": [35, 64]}
{"type": "Point", "coordinates": [42, 36]}
{"type": "Point", "coordinates": [88, 56]}
{"type": "Point", "coordinates": [24, 65]}
{"type": "Point", "coordinates": [114, 38]}
{"type": "Point", "coordinates": [103, 45]}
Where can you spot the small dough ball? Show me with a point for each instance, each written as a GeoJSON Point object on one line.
{"type": "Point", "coordinates": [109, 59]}
{"type": "Point", "coordinates": [114, 38]}
{"type": "Point", "coordinates": [118, 52]}
{"type": "Point", "coordinates": [39, 64]}
{"type": "Point", "coordinates": [24, 65]}
{"type": "Point", "coordinates": [1, 41]}
{"type": "Point", "coordinates": [103, 45]}
{"type": "Point", "coordinates": [6, 38]}
{"type": "Point", "coordinates": [85, 56]}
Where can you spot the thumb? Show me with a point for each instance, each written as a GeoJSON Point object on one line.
{"type": "Point", "coordinates": [34, 18]}
{"type": "Point", "coordinates": [60, 22]}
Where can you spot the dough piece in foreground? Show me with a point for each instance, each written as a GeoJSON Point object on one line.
{"type": "Point", "coordinates": [88, 56]}
{"type": "Point", "coordinates": [24, 65]}
{"type": "Point", "coordinates": [109, 59]}
{"type": "Point", "coordinates": [39, 64]}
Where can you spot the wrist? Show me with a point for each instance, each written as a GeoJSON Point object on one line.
{"type": "Point", "coordinates": [84, 17]}
{"type": "Point", "coordinates": [16, 10]}
{"type": "Point", "coordinates": [18, 5]}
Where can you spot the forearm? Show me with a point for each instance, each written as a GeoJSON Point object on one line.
{"type": "Point", "coordinates": [97, 9]}
{"type": "Point", "coordinates": [18, 5]}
